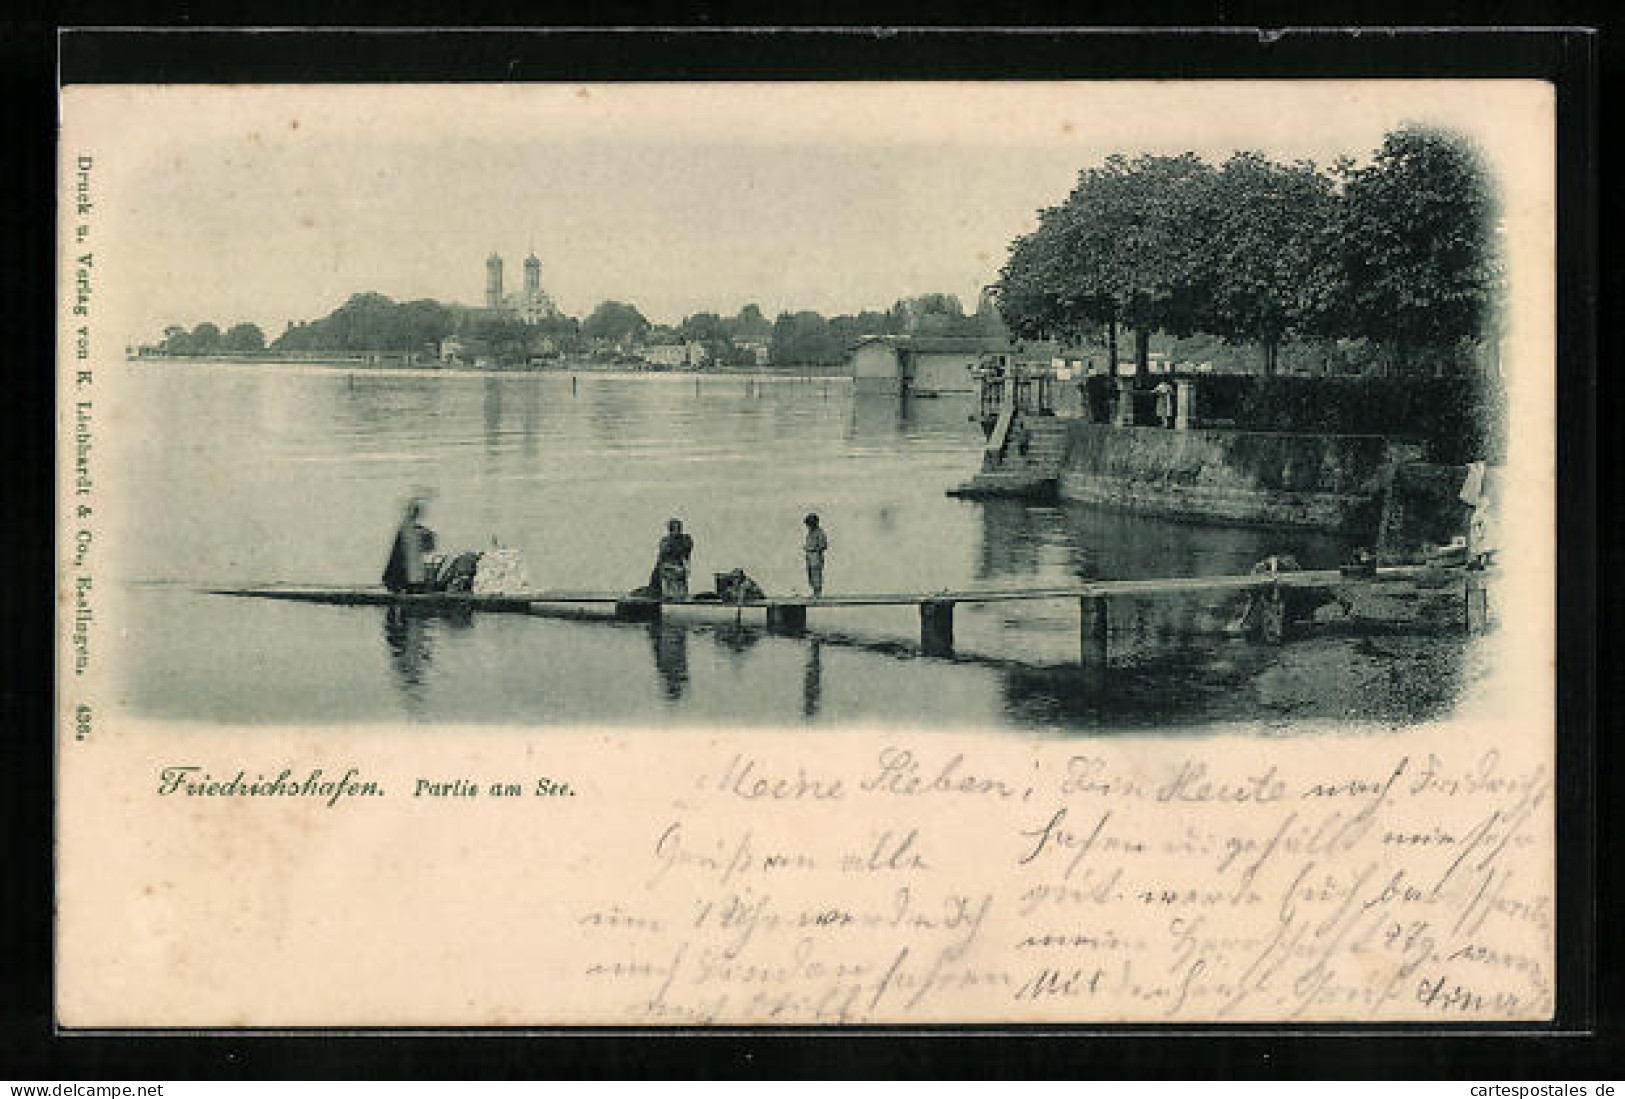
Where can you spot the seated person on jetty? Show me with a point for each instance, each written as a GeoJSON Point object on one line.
{"type": "Point", "coordinates": [671, 563]}
{"type": "Point", "coordinates": [415, 568]}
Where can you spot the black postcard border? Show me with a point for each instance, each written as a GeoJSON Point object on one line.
{"type": "Point", "coordinates": [1573, 1046]}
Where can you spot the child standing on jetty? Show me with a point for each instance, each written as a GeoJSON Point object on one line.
{"type": "Point", "coordinates": [817, 542]}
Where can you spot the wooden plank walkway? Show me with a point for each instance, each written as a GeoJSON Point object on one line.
{"type": "Point", "coordinates": [1178, 585]}
{"type": "Point", "coordinates": [788, 613]}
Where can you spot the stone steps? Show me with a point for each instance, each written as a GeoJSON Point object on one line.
{"type": "Point", "coordinates": [1025, 484]}
{"type": "Point", "coordinates": [1034, 475]}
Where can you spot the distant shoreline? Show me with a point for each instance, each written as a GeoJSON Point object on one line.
{"type": "Point", "coordinates": [621, 370]}
{"type": "Point", "coordinates": [837, 370]}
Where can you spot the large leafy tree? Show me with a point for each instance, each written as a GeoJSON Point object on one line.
{"type": "Point", "coordinates": [1269, 242]}
{"type": "Point", "coordinates": [750, 324]}
{"type": "Point", "coordinates": [205, 339]}
{"type": "Point", "coordinates": [176, 341]}
{"type": "Point", "coordinates": [935, 314]}
{"type": "Point", "coordinates": [416, 325]}
{"type": "Point", "coordinates": [370, 322]}
{"type": "Point", "coordinates": [243, 339]}
{"type": "Point", "coordinates": [1417, 245]}
{"type": "Point", "coordinates": [1054, 283]}
{"type": "Point", "coordinates": [1157, 267]}
{"type": "Point", "coordinates": [614, 320]}
{"type": "Point", "coordinates": [710, 330]}
{"type": "Point", "coordinates": [1125, 249]}
{"type": "Point", "coordinates": [804, 338]}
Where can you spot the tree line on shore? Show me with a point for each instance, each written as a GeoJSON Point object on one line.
{"type": "Point", "coordinates": [1398, 255]}
{"type": "Point", "coordinates": [372, 323]}
{"type": "Point", "coordinates": [1391, 265]}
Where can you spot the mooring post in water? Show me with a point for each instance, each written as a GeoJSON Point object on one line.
{"type": "Point", "coordinates": [1093, 631]}
{"type": "Point", "coordinates": [1478, 603]}
{"type": "Point", "coordinates": [937, 627]}
{"type": "Point", "coordinates": [786, 618]}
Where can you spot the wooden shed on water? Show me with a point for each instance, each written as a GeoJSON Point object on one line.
{"type": "Point", "coordinates": [919, 366]}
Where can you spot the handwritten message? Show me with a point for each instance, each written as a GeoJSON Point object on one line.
{"type": "Point", "coordinates": [930, 883]}
{"type": "Point", "coordinates": [670, 877]}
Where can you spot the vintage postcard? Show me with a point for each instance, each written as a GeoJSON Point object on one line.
{"type": "Point", "coordinates": [806, 553]}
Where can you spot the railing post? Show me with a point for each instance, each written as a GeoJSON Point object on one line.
{"type": "Point", "coordinates": [1125, 403]}
{"type": "Point", "coordinates": [937, 627]}
{"type": "Point", "coordinates": [1094, 631]}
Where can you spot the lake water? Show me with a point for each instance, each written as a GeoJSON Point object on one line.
{"type": "Point", "coordinates": [249, 474]}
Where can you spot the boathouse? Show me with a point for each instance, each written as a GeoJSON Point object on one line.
{"type": "Point", "coordinates": [919, 366]}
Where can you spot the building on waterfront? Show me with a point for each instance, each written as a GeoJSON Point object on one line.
{"type": "Point", "coordinates": [921, 366]}
{"type": "Point", "coordinates": [759, 351]}
{"type": "Point", "coordinates": [530, 305]}
{"type": "Point", "coordinates": [676, 355]}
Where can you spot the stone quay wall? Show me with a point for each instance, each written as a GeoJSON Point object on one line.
{"type": "Point", "coordinates": [1324, 482]}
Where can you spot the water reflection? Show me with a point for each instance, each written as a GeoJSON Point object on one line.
{"type": "Point", "coordinates": [812, 679]}
{"type": "Point", "coordinates": [880, 419]}
{"type": "Point", "coordinates": [409, 635]}
{"type": "Point", "coordinates": [295, 475]}
{"type": "Point", "coordinates": [737, 638]}
{"type": "Point", "coordinates": [1174, 689]}
{"type": "Point", "coordinates": [1018, 539]}
{"type": "Point", "coordinates": [411, 652]}
{"type": "Point", "coordinates": [875, 418]}
{"type": "Point", "coordinates": [1012, 532]}
{"type": "Point", "coordinates": [530, 399]}
{"type": "Point", "coordinates": [669, 644]}
{"type": "Point", "coordinates": [493, 415]}
{"type": "Point", "coordinates": [387, 405]}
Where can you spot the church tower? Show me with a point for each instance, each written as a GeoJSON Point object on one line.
{"type": "Point", "coordinates": [493, 281]}
{"type": "Point", "coordinates": [533, 277]}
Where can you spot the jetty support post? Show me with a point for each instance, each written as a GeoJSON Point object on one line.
{"type": "Point", "coordinates": [1272, 625]}
{"type": "Point", "coordinates": [1094, 631]}
{"type": "Point", "coordinates": [1477, 598]}
{"type": "Point", "coordinates": [937, 627]}
{"type": "Point", "coordinates": [637, 610]}
{"type": "Point", "coordinates": [786, 618]}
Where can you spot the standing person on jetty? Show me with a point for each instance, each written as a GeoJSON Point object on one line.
{"type": "Point", "coordinates": [815, 545]}
{"type": "Point", "coordinates": [407, 570]}
{"type": "Point", "coordinates": [671, 563]}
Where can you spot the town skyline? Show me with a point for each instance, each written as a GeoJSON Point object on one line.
{"type": "Point", "coordinates": [275, 205]}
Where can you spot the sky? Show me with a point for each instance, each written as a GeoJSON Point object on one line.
{"type": "Point", "coordinates": [274, 204]}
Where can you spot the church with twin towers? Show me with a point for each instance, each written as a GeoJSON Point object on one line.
{"type": "Point", "coordinates": [531, 305]}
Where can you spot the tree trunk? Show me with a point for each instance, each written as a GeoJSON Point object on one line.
{"type": "Point", "coordinates": [1272, 348]}
{"type": "Point", "coordinates": [1111, 348]}
{"type": "Point", "coordinates": [1142, 354]}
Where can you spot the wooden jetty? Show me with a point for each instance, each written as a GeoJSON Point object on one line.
{"type": "Point", "coordinates": [788, 614]}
